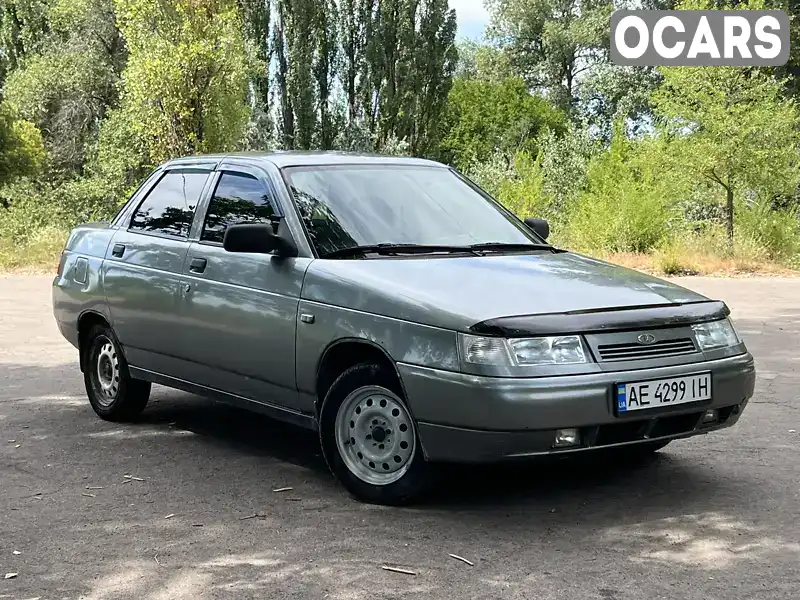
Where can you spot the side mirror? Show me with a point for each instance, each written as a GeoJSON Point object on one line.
{"type": "Point", "coordinates": [539, 226]}
{"type": "Point", "coordinates": [257, 238]}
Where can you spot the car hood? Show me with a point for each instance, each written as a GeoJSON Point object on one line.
{"type": "Point", "coordinates": [456, 292]}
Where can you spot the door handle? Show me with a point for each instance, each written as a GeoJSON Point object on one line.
{"type": "Point", "coordinates": [118, 250]}
{"type": "Point", "coordinates": [198, 265]}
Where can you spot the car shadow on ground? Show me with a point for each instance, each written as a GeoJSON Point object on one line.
{"type": "Point", "coordinates": [669, 483]}
{"type": "Point", "coordinates": [688, 510]}
{"type": "Point", "coordinates": [237, 429]}
{"type": "Point", "coordinates": [661, 485]}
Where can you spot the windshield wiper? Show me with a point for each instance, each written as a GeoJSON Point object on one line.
{"type": "Point", "coordinates": [388, 249]}
{"type": "Point", "coordinates": [489, 246]}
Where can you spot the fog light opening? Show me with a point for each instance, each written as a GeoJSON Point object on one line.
{"type": "Point", "coordinates": [567, 437]}
{"type": "Point", "coordinates": [710, 416]}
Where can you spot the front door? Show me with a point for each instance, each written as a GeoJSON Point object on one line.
{"type": "Point", "coordinates": [142, 269]}
{"type": "Point", "coordinates": [238, 311]}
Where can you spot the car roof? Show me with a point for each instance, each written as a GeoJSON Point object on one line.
{"type": "Point", "coordinates": [284, 159]}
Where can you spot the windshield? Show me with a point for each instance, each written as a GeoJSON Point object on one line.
{"type": "Point", "coordinates": [347, 206]}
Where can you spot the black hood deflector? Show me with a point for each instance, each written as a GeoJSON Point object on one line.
{"type": "Point", "coordinates": [629, 318]}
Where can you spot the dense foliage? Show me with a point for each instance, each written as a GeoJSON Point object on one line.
{"type": "Point", "coordinates": [678, 163]}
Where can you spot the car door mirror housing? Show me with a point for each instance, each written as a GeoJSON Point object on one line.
{"type": "Point", "coordinates": [257, 238]}
{"type": "Point", "coordinates": [539, 226]}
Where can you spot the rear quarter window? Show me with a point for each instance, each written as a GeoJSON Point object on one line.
{"type": "Point", "coordinates": [133, 198]}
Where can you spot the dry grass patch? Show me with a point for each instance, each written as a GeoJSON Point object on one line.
{"type": "Point", "coordinates": [37, 256]}
{"type": "Point", "coordinates": [695, 263]}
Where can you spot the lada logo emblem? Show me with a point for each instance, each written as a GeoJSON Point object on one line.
{"type": "Point", "coordinates": [646, 339]}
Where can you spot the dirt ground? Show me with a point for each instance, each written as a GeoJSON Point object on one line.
{"type": "Point", "coordinates": [714, 517]}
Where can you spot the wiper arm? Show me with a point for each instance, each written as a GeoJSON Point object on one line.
{"type": "Point", "coordinates": [388, 249]}
{"type": "Point", "coordinates": [512, 247]}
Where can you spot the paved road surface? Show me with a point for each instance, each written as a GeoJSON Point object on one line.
{"type": "Point", "coordinates": [715, 517]}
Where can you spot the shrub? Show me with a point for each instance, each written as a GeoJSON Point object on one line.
{"type": "Point", "coordinates": [674, 259]}
{"type": "Point", "coordinates": [523, 192]}
{"type": "Point", "coordinates": [491, 173]}
{"type": "Point", "coordinates": [627, 203]}
{"type": "Point", "coordinates": [21, 148]}
{"type": "Point", "coordinates": [775, 232]}
{"type": "Point", "coordinates": [33, 207]}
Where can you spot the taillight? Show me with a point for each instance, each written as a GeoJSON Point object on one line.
{"type": "Point", "coordinates": [60, 266]}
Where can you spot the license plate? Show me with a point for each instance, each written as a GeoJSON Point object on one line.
{"type": "Point", "coordinates": [663, 392]}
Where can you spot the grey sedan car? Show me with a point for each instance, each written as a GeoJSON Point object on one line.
{"type": "Point", "coordinates": [393, 306]}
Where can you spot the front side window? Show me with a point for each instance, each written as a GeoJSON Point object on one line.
{"type": "Point", "coordinates": [347, 206]}
{"type": "Point", "coordinates": [169, 207]}
{"type": "Point", "coordinates": [239, 198]}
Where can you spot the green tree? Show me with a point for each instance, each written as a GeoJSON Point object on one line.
{"type": "Point", "coordinates": [21, 148]}
{"type": "Point", "coordinates": [306, 43]}
{"type": "Point", "coordinates": [553, 43]}
{"type": "Point", "coordinates": [279, 45]}
{"type": "Point", "coordinates": [434, 62]}
{"type": "Point", "coordinates": [66, 86]}
{"type": "Point", "coordinates": [326, 69]}
{"type": "Point", "coordinates": [185, 80]}
{"type": "Point", "coordinates": [612, 92]}
{"type": "Point", "coordinates": [354, 27]}
{"type": "Point", "coordinates": [482, 61]}
{"type": "Point", "coordinates": [256, 18]}
{"type": "Point", "coordinates": [301, 31]}
{"type": "Point", "coordinates": [256, 15]}
{"type": "Point", "coordinates": [393, 58]}
{"type": "Point", "coordinates": [24, 28]}
{"type": "Point", "coordinates": [484, 117]}
{"type": "Point", "coordinates": [411, 57]}
{"type": "Point", "coordinates": [733, 126]}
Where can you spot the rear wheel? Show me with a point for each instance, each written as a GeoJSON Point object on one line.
{"type": "Point", "coordinates": [369, 438]}
{"type": "Point", "coordinates": [113, 393]}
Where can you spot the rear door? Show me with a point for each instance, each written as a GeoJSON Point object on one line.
{"type": "Point", "coordinates": [143, 264]}
{"type": "Point", "coordinates": [239, 311]}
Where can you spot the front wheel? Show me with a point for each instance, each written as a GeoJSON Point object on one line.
{"type": "Point", "coordinates": [113, 393]}
{"type": "Point", "coordinates": [369, 438]}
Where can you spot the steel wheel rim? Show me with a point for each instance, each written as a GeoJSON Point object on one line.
{"type": "Point", "coordinates": [107, 372]}
{"type": "Point", "coordinates": [375, 435]}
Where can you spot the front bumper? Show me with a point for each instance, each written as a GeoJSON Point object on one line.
{"type": "Point", "coordinates": [469, 418]}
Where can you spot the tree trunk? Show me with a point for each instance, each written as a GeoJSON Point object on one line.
{"type": "Point", "coordinates": [287, 112]}
{"type": "Point", "coordinates": [729, 198]}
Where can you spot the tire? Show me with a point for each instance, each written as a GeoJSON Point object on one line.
{"type": "Point", "coordinates": [369, 438]}
{"type": "Point", "coordinates": [113, 393]}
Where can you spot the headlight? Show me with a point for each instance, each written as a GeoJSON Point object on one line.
{"type": "Point", "coordinates": [557, 350]}
{"type": "Point", "coordinates": [716, 334]}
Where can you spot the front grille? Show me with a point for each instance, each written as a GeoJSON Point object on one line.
{"type": "Point", "coordinates": [636, 351]}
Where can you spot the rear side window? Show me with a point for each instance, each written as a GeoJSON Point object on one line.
{"type": "Point", "coordinates": [239, 198]}
{"type": "Point", "coordinates": [169, 207]}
